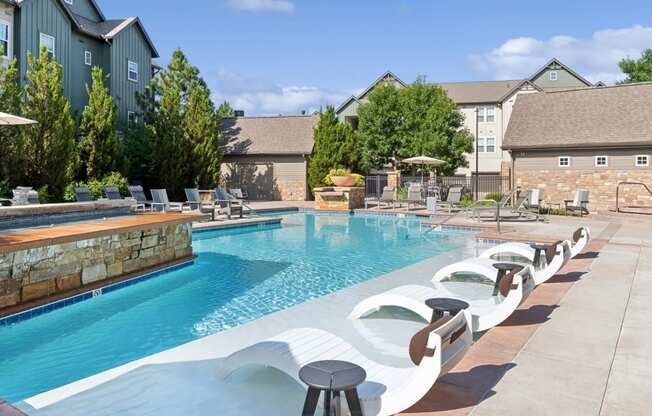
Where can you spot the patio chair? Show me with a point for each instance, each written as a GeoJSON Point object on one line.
{"type": "Point", "coordinates": [535, 200]}
{"type": "Point", "coordinates": [25, 195]}
{"type": "Point", "coordinates": [552, 263]}
{"type": "Point", "coordinates": [161, 202]}
{"type": "Point", "coordinates": [194, 202]}
{"type": "Point", "coordinates": [112, 193]}
{"type": "Point", "coordinates": [579, 203]}
{"type": "Point", "coordinates": [227, 204]}
{"type": "Point", "coordinates": [486, 312]}
{"type": "Point", "coordinates": [579, 240]}
{"type": "Point", "coordinates": [414, 196]}
{"type": "Point", "coordinates": [138, 194]}
{"type": "Point", "coordinates": [82, 194]}
{"type": "Point", "coordinates": [240, 194]}
{"type": "Point", "coordinates": [452, 201]}
{"type": "Point", "coordinates": [387, 197]}
{"type": "Point", "coordinates": [388, 390]}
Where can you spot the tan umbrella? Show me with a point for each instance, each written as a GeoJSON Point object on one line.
{"type": "Point", "coordinates": [422, 161]}
{"type": "Point", "coordinates": [11, 120]}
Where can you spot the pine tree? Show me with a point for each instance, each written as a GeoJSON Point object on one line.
{"type": "Point", "coordinates": [99, 147]}
{"type": "Point", "coordinates": [47, 148]}
{"type": "Point", "coordinates": [10, 98]}
{"type": "Point", "coordinates": [202, 127]}
{"type": "Point", "coordinates": [225, 110]}
{"type": "Point", "coordinates": [335, 147]}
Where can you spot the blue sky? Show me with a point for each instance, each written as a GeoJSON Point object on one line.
{"type": "Point", "coordinates": [283, 56]}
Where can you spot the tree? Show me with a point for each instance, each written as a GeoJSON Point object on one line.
{"type": "Point", "coordinates": [181, 120]}
{"type": "Point", "coordinates": [10, 98]}
{"type": "Point", "coordinates": [637, 70]}
{"type": "Point", "coordinates": [202, 126]}
{"type": "Point", "coordinates": [417, 120]}
{"type": "Point", "coordinates": [99, 147]}
{"type": "Point", "coordinates": [225, 110]}
{"type": "Point", "coordinates": [47, 148]}
{"type": "Point", "coordinates": [335, 147]}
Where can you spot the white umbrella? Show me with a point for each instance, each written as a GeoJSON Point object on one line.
{"type": "Point", "coordinates": [11, 120]}
{"type": "Point", "coordinates": [423, 160]}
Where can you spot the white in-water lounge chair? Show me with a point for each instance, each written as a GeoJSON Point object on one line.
{"type": "Point", "coordinates": [580, 239]}
{"type": "Point", "coordinates": [486, 312]}
{"type": "Point", "coordinates": [483, 264]}
{"type": "Point", "coordinates": [387, 390]}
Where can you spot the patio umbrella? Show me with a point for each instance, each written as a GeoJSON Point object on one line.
{"type": "Point", "coordinates": [11, 120]}
{"type": "Point", "coordinates": [423, 161]}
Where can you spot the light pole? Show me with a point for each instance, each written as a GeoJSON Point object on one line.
{"type": "Point", "coordinates": [477, 148]}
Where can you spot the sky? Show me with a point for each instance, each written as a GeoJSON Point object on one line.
{"type": "Point", "coordinates": [270, 57]}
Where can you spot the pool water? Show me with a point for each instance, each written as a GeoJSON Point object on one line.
{"type": "Point", "coordinates": [240, 275]}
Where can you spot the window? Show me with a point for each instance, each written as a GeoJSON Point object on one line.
{"type": "Point", "coordinates": [131, 117]}
{"type": "Point", "coordinates": [69, 1]}
{"type": "Point", "coordinates": [47, 42]}
{"type": "Point", "coordinates": [601, 161]}
{"type": "Point", "coordinates": [486, 114]}
{"type": "Point", "coordinates": [553, 75]}
{"type": "Point", "coordinates": [564, 161]}
{"type": "Point", "coordinates": [642, 160]}
{"type": "Point", "coordinates": [353, 121]}
{"type": "Point", "coordinates": [132, 71]}
{"type": "Point", "coordinates": [88, 58]}
{"type": "Point", "coordinates": [486, 144]}
{"type": "Point", "coordinates": [4, 38]}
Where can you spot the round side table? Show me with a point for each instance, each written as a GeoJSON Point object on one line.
{"type": "Point", "coordinates": [442, 306]}
{"type": "Point", "coordinates": [332, 377]}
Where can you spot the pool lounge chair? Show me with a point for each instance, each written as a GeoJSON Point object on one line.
{"type": "Point", "coordinates": [518, 211]}
{"type": "Point", "coordinates": [194, 202]}
{"type": "Point", "coordinates": [509, 293]}
{"type": "Point", "coordinates": [388, 390]}
{"type": "Point", "coordinates": [112, 193]}
{"type": "Point", "coordinates": [579, 203]}
{"type": "Point", "coordinates": [414, 196]}
{"type": "Point", "coordinates": [227, 204]}
{"type": "Point", "coordinates": [160, 202]}
{"type": "Point", "coordinates": [579, 240]}
{"type": "Point", "coordinates": [138, 194]}
{"type": "Point", "coordinates": [387, 197]}
{"type": "Point", "coordinates": [482, 266]}
{"type": "Point", "coordinates": [240, 194]}
{"type": "Point", "coordinates": [452, 201]}
{"type": "Point", "coordinates": [82, 194]}
{"type": "Point", "coordinates": [24, 195]}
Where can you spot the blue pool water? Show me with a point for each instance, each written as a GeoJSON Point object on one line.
{"type": "Point", "coordinates": [239, 275]}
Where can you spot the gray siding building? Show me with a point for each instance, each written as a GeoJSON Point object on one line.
{"type": "Point", "coordinates": [79, 36]}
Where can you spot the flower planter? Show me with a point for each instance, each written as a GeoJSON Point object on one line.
{"type": "Point", "coordinates": [343, 180]}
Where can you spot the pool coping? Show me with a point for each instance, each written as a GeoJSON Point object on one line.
{"type": "Point", "coordinates": [236, 223]}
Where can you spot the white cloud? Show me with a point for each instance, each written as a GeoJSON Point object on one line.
{"type": "Point", "coordinates": [274, 6]}
{"type": "Point", "coordinates": [596, 58]}
{"type": "Point", "coordinates": [261, 97]}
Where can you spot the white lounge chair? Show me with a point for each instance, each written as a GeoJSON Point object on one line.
{"type": "Point", "coordinates": [486, 312]}
{"type": "Point", "coordinates": [387, 390]}
{"type": "Point", "coordinates": [580, 239]}
{"type": "Point", "coordinates": [481, 265]}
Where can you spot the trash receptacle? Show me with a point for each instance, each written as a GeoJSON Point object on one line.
{"type": "Point", "coordinates": [431, 204]}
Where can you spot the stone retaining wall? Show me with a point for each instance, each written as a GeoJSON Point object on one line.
{"type": "Point", "coordinates": [559, 185]}
{"type": "Point", "coordinates": [37, 273]}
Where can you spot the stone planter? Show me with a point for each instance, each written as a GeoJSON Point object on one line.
{"type": "Point", "coordinates": [343, 180]}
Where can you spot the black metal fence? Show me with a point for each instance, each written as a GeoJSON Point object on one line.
{"type": "Point", "coordinates": [487, 184]}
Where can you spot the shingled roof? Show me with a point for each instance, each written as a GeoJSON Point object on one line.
{"type": "Point", "coordinates": [479, 92]}
{"type": "Point", "coordinates": [592, 117]}
{"type": "Point", "coordinates": [287, 135]}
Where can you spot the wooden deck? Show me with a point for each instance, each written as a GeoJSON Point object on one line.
{"type": "Point", "coordinates": [40, 237]}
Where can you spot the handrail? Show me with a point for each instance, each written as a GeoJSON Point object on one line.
{"type": "Point", "coordinates": [628, 183]}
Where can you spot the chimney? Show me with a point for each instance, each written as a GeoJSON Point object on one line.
{"type": "Point", "coordinates": [238, 113]}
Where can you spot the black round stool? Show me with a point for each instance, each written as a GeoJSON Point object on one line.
{"type": "Point", "coordinates": [542, 248]}
{"type": "Point", "coordinates": [503, 269]}
{"type": "Point", "coordinates": [332, 377]}
{"type": "Point", "coordinates": [442, 306]}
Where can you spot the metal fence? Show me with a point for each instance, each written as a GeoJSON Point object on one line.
{"type": "Point", "coordinates": [487, 184]}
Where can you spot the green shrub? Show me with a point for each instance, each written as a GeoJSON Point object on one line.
{"type": "Point", "coordinates": [95, 187]}
{"type": "Point", "coordinates": [339, 172]}
{"type": "Point", "coordinates": [5, 189]}
{"type": "Point", "coordinates": [44, 195]}
{"type": "Point", "coordinates": [359, 179]}
{"type": "Point", "coordinates": [496, 196]}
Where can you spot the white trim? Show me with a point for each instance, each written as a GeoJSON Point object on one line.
{"type": "Point", "coordinates": [559, 161]}
{"type": "Point", "coordinates": [46, 36]}
{"type": "Point", "coordinates": [70, 2]}
{"type": "Point", "coordinates": [129, 114]}
{"type": "Point", "coordinates": [647, 160]}
{"type": "Point", "coordinates": [88, 58]}
{"type": "Point", "coordinates": [555, 77]}
{"type": "Point", "coordinates": [129, 71]}
{"type": "Point", "coordinates": [606, 160]}
{"type": "Point", "coordinates": [8, 52]}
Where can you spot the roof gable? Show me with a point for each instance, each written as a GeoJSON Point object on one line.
{"type": "Point", "coordinates": [388, 76]}
{"type": "Point", "coordinates": [555, 63]}
{"type": "Point", "coordinates": [128, 22]}
{"type": "Point", "coordinates": [87, 8]}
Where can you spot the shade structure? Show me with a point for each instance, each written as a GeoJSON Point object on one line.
{"type": "Point", "coordinates": [423, 160]}
{"type": "Point", "coordinates": [11, 120]}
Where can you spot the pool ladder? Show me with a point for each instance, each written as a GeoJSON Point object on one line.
{"type": "Point", "coordinates": [628, 183]}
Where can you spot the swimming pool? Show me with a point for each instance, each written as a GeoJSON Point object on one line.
{"type": "Point", "coordinates": [240, 275]}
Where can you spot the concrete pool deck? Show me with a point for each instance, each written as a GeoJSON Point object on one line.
{"type": "Point", "coordinates": [579, 345]}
